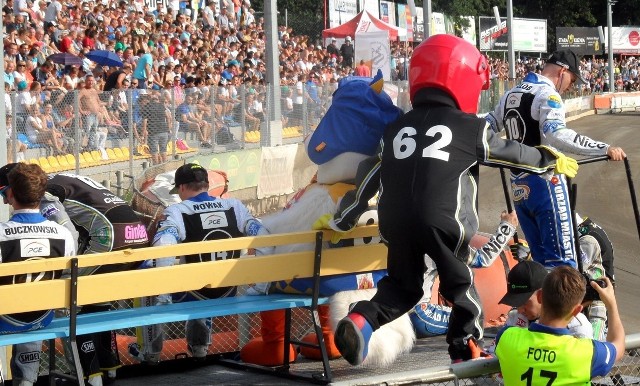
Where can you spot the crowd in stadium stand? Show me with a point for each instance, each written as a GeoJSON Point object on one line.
{"type": "Point", "coordinates": [176, 50]}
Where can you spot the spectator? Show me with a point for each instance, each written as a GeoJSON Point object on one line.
{"type": "Point", "coordinates": [574, 360]}
{"type": "Point", "coordinates": [362, 69]}
{"type": "Point", "coordinates": [91, 109]}
{"type": "Point", "coordinates": [157, 124]}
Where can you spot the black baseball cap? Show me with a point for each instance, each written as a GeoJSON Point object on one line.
{"type": "Point", "coordinates": [189, 173]}
{"type": "Point", "coordinates": [4, 174]}
{"type": "Point", "coordinates": [569, 60]}
{"type": "Point", "coordinates": [525, 278]}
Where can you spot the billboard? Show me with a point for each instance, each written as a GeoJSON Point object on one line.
{"type": "Point", "coordinates": [529, 35]}
{"type": "Point", "coordinates": [626, 40]}
{"type": "Point", "coordinates": [341, 11]}
{"type": "Point", "coordinates": [388, 12]}
{"type": "Point", "coordinates": [581, 40]}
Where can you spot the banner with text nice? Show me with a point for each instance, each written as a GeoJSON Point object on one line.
{"type": "Point", "coordinates": [581, 40]}
{"type": "Point", "coordinates": [529, 35]}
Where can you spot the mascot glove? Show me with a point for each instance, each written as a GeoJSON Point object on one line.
{"type": "Point", "coordinates": [520, 250]}
{"type": "Point", "coordinates": [326, 222]}
{"type": "Point", "coordinates": [564, 165]}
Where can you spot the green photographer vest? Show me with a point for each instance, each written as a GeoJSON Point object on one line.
{"type": "Point", "coordinates": [534, 358]}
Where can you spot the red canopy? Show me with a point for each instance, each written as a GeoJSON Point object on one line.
{"type": "Point", "coordinates": [362, 22]}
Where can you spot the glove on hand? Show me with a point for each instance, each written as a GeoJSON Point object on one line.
{"type": "Point", "coordinates": [520, 250]}
{"type": "Point", "coordinates": [564, 165]}
{"type": "Point", "coordinates": [324, 222]}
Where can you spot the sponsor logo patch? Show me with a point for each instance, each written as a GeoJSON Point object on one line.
{"type": "Point", "coordinates": [554, 101]}
{"type": "Point", "coordinates": [35, 247]}
{"type": "Point", "coordinates": [88, 347]}
{"type": "Point", "coordinates": [520, 192]}
{"type": "Point", "coordinates": [213, 220]}
{"type": "Point", "coordinates": [29, 357]}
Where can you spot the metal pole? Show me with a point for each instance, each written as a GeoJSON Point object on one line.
{"type": "Point", "coordinates": [512, 54]}
{"type": "Point", "coordinates": [4, 209]}
{"type": "Point", "coordinates": [610, 43]}
{"type": "Point", "coordinates": [271, 134]}
{"type": "Point", "coordinates": [426, 19]}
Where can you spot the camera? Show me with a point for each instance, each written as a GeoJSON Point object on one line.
{"type": "Point", "coordinates": [591, 293]}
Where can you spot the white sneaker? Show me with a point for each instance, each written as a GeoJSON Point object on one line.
{"type": "Point", "coordinates": [199, 352]}
{"type": "Point", "coordinates": [96, 380]}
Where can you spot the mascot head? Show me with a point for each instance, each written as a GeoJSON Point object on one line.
{"type": "Point", "coordinates": [351, 129]}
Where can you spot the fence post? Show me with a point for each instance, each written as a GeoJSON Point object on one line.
{"type": "Point", "coordinates": [132, 128]}
{"type": "Point", "coordinates": [77, 122]}
{"type": "Point", "coordinates": [119, 180]}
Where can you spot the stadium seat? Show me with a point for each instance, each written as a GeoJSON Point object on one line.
{"type": "Point", "coordinates": [125, 152]}
{"type": "Point", "coordinates": [53, 162]}
{"type": "Point", "coordinates": [33, 161]}
{"type": "Point", "coordinates": [62, 161]}
{"type": "Point", "coordinates": [112, 155]}
{"type": "Point", "coordinates": [71, 159]}
{"type": "Point", "coordinates": [44, 164]}
{"type": "Point", "coordinates": [119, 154]}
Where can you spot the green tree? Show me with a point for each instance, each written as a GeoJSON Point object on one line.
{"type": "Point", "coordinates": [306, 17]}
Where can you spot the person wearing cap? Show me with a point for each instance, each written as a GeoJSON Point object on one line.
{"type": "Point", "coordinates": [199, 217]}
{"type": "Point", "coordinates": [347, 51]}
{"type": "Point", "coordinates": [22, 186]}
{"type": "Point", "coordinates": [523, 283]}
{"type": "Point", "coordinates": [332, 49]}
{"type": "Point", "coordinates": [533, 113]}
{"type": "Point", "coordinates": [546, 352]}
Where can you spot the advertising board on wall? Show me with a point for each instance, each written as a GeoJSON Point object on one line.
{"type": "Point", "coordinates": [529, 35]}
{"type": "Point", "coordinates": [581, 40]}
{"type": "Point", "coordinates": [626, 40]}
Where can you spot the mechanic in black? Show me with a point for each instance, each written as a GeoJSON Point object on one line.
{"type": "Point", "coordinates": [105, 222]}
{"type": "Point", "coordinates": [427, 175]}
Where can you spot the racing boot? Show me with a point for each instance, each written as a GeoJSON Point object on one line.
{"type": "Point", "coordinates": [352, 338]}
{"type": "Point", "coordinates": [327, 337]}
{"type": "Point", "coordinates": [268, 349]}
{"type": "Point", "coordinates": [466, 349]}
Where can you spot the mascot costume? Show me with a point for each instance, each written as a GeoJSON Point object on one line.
{"type": "Point", "coordinates": [349, 132]}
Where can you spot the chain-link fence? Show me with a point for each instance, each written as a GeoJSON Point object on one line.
{"type": "Point", "coordinates": [93, 132]}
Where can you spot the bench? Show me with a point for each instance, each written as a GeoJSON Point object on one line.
{"type": "Point", "coordinates": [75, 291]}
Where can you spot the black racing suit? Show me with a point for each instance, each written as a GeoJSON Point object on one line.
{"type": "Point", "coordinates": [427, 174]}
{"type": "Point", "coordinates": [105, 223]}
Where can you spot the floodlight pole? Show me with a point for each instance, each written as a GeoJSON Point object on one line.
{"type": "Point", "coordinates": [512, 53]}
{"type": "Point", "coordinates": [612, 83]}
{"type": "Point", "coordinates": [426, 19]}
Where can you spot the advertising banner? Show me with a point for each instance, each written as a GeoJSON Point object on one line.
{"type": "Point", "coordinates": [581, 40]}
{"type": "Point", "coordinates": [626, 40]}
{"type": "Point", "coordinates": [371, 6]}
{"type": "Point", "coordinates": [276, 165]}
{"type": "Point", "coordinates": [341, 11]}
{"type": "Point", "coordinates": [388, 12]}
{"type": "Point", "coordinates": [529, 35]}
{"type": "Point", "coordinates": [242, 166]}
{"type": "Point", "coordinates": [373, 47]}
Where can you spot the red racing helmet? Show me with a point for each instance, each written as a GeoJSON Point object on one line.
{"type": "Point", "coordinates": [452, 64]}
